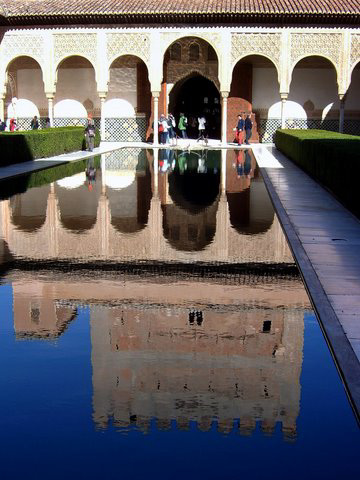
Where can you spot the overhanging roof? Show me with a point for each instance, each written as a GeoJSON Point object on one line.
{"type": "Point", "coordinates": [23, 12]}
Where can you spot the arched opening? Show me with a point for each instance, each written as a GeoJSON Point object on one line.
{"type": "Point", "coordinates": [25, 93]}
{"type": "Point", "coordinates": [189, 221]}
{"type": "Point", "coordinates": [191, 85]}
{"type": "Point", "coordinates": [196, 96]}
{"type": "Point", "coordinates": [28, 210]}
{"type": "Point", "coordinates": [128, 182]}
{"type": "Point", "coordinates": [254, 88]}
{"type": "Point", "coordinates": [352, 104]}
{"type": "Point", "coordinates": [313, 100]}
{"type": "Point", "coordinates": [78, 202]}
{"type": "Point", "coordinates": [76, 95]}
{"type": "Point", "coordinates": [250, 208]}
{"type": "Point", "coordinates": [128, 104]}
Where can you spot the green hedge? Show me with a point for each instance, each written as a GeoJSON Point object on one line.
{"type": "Point", "coordinates": [333, 159]}
{"type": "Point", "coordinates": [22, 146]}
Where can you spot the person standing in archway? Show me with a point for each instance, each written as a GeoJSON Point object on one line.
{"type": "Point", "coordinates": [34, 124]}
{"type": "Point", "coordinates": [201, 122]}
{"type": "Point", "coordinates": [248, 128]}
{"type": "Point", "coordinates": [182, 125]}
{"type": "Point", "coordinates": [240, 129]}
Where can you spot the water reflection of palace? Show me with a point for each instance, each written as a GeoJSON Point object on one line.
{"type": "Point", "coordinates": [187, 207]}
{"type": "Point", "coordinates": [238, 364]}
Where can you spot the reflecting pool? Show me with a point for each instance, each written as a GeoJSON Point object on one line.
{"type": "Point", "coordinates": [153, 323]}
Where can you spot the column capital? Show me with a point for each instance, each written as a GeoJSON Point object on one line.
{"type": "Point", "coordinates": [284, 96]}
{"type": "Point", "coordinates": [50, 95]}
{"type": "Point", "coordinates": [102, 95]}
{"type": "Point", "coordinates": [342, 97]}
{"type": "Point", "coordinates": [155, 94]}
{"type": "Point", "coordinates": [224, 94]}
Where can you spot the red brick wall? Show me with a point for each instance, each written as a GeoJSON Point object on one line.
{"type": "Point", "coordinates": [240, 99]}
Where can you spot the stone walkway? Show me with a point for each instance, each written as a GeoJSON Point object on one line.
{"type": "Point", "coordinates": [325, 240]}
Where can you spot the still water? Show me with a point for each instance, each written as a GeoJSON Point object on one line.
{"type": "Point", "coordinates": [153, 324]}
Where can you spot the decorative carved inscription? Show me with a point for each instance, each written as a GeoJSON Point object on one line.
{"type": "Point", "coordinates": [66, 44]}
{"type": "Point", "coordinates": [322, 44]}
{"type": "Point", "coordinates": [355, 49]}
{"type": "Point", "coordinates": [128, 43]}
{"type": "Point", "coordinates": [267, 44]}
{"type": "Point", "coordinates": [30, 45]}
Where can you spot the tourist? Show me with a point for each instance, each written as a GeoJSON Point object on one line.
{"type": "Point", "coordinates": [47, 122]}
{"type": "Point", "coordinates": [12, 125]}
{"type": "Point", "coordinates": [171, 128]}
{"type": "Point", "coordinates": [201, 127]}
{"type": "Point", "coordinates": [240, 129]}
{"type": "Point", "coordinates": [248, 128]}
{"type": "Point", "coordinates": [182, 125]}
{"type": "Point", "coordinates": [163, 129]}
{"type": "Point", "coordinates": [34, 124]}
{"type": "Point", "coordinates": [90, 135]}
{"type": "Point", "coordinates": [2, 126]}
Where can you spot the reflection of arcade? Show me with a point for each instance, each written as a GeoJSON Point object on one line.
{"type": "Point", "coordinates": [189, 212]}
{"type": "Point", "coordinates": [181, 210]}
{"type": "Point", "coordinates": [240, 364]}
{"type": "Point", "coordinates": [243, 185]}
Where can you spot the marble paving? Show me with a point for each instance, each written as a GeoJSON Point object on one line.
{"type": "Point", "coordinates": [325, 240]}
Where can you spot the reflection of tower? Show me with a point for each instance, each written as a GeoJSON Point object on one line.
{"type": "Point", "coordinates": [237, 368]}
{"type": "Point", "coordinates": [36, 312]}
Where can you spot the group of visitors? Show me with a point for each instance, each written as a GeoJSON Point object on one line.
{"type": "Point", "coordinates": [11, 124]}
{"type": "Point", "coordinates": [243, 126]}
{"type": "Point", "coordinates": [167, 128]}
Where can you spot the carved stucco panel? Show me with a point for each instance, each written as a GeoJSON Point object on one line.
{"type": "Point", "coordinates": [67, 44]}
{"type": "Point", "coordinates": [267, 44]}
{"type": "Point", "coordinates": [355, 50]}
{"type": "Point", "coordinates": [213, 38]}
{"type": "Point", "coordinates": [323, 44]}
{"type": "Point", "coordinates": [16, 45]}
{"type": "Point", "coordinates": [128, 43]}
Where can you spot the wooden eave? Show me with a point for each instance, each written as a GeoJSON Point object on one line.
{"type": "Point", "coordinates": [169, 18]}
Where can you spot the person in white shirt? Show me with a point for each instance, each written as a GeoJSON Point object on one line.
{"type": "Point", "coordinates": [201, 127]}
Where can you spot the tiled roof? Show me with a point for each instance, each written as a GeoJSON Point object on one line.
{"type": "Point", "coordinates": [13, 9]}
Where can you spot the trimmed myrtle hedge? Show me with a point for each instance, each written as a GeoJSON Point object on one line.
{"type": "Point", "coordinates": [333, 159]}
{"type": "Point", "coordinates": [22, 146]}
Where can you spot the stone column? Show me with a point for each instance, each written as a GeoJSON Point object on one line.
{"type": "Point", "coordinates": [283, 97]}
{"type": "Point", "coordinates": [342, 113]}
{"type": "Point", "coordinates": [102, 96]}
{"type": "Point", "coordinates": [50, 99]}
{"type": "Point", "coordinates": [223, 171]}
{"type": "Point", "coordinates": [156, 172]}
{"type": "Point", "coordinates": [224, 98]}
{"type": "Point", "coordinates": [103, 173]}
{"type": "Point", "coordinates": [156, 96]}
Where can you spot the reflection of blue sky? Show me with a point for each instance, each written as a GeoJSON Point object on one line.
{"type": "Point", "coordinates": [47, 429]}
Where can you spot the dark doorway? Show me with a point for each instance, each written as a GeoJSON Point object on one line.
{"type": "Point", "coordinates": [197, 96]}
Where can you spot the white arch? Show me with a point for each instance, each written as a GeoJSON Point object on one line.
{"type": "Point", "coordinates": [66, 56]}
{"type": "Point", "coordinates": [307, 55]}
{"type": "Point", "coordinates": [258, 54]}
{"type": "Point", "coordinates": [41, 66]}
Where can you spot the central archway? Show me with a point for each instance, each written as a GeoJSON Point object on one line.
{"type": "Point", "coordinates": [196, 95]}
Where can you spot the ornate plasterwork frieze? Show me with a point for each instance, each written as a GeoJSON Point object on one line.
{"type": "Point", "coordinates": [82, 44]}
{"type": "Point", "coordinates": [355, 50]}
{"type": "Point", "coordinates": [328, 45]}
{"type": "Point", "coordinates": [128, 44]}
{"type": "Point", "coordinates": [267, 44]}
{"type": "Point", "coordinates": [213, 38]}
{"type": "Point", "coordinates": [15, 45]}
